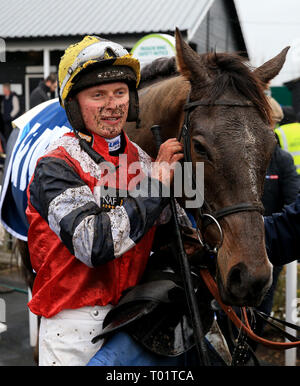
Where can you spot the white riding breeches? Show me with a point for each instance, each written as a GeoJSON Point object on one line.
{"type": "Point", "coordinates": [65, 339]}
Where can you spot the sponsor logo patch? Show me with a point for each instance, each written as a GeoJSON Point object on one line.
{"type": "Point", "coordinates": [107, 202]}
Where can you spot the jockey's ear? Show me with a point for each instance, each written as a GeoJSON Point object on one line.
{"type": "Point", "coordinates": [272, 67]}
{"type": "Point", "coordinates": [188, 61]}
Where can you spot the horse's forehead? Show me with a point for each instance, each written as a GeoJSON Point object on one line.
{"type": "Point", "coordinates": [243, 140]}
{"type": "Point", "coordinates": [238, 123]}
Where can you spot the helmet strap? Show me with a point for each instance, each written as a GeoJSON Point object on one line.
{"type": "Point", "coordinates": [74, 115]}
{"type": "Point", "coordinates": [133, 111]}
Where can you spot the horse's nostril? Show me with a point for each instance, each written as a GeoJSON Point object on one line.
{"type": "Point", "coordinates": [235, 276]}
{"type": "Point", "coordinates": [237, 280]}
{"type": "Point", "coordinates": [243, 287]}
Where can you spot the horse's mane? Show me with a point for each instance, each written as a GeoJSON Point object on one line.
{"type": "Point", "coordinates": [231, 71]}
{"type": "Point", "coordinates": [158, 70]}
{"type": "Point", "coordinates": [224, 70]}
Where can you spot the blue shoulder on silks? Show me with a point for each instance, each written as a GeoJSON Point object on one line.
{"type": "Point", "coordinates": [33, 132]}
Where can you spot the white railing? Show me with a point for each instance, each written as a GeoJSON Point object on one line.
{"type": "Point", "coordinates": [3, 326]}
{"type": "Point", "coordinates": [291, 302]}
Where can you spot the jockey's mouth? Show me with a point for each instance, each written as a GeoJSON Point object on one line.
{"type": "Point", "coordinates": [112, 120]}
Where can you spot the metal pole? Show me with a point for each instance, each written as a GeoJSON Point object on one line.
{"type": "Point", "coordinates": [46, 59]}
{"type": "Point", "coordinates": [3, 326]}
{"type": "Point", "coordinates": [2, 311]}
{"type": "Point", "coordinates": [291, 308]}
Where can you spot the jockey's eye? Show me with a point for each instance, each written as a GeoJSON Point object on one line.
{"type": "Point", "coordinates": [98, 94]}
{"type": "Point", "coordinates": [200, 149]}
{"type": "Point", "coordinates": [120, 92]}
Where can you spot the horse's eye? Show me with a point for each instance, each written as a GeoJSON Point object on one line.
{"type": "Point", "coordinates": [200, 149]}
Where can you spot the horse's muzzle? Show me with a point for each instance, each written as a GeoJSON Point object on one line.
{"type": "Point", "coordinates": [244, 288]}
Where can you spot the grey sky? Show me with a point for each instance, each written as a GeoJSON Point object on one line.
{"type": "Point", "coordinates": [268, 27]}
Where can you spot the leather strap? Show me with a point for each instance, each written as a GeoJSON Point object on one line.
{"type": "Point", "coordinates": [191, 105]}
{"type": "Point", "coordinates": [243, 207]}
{"type": "Point", "coordinates": [211, 285]}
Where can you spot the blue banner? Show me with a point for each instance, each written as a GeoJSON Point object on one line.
{"type": "Point", "coordinates": [37, 128]}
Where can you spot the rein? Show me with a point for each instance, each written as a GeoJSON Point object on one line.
{"type": "Point", "coordinates": [186, 274]}
{"type": "Point", "coordinates": [214, 216]}
{"type": "Point", "coordinates": [212, 286]}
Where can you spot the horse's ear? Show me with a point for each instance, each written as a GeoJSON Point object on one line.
{"type": "Point", "coordinates": [187, 60]}
{"type": "Point", "coordinates": [272, 67]}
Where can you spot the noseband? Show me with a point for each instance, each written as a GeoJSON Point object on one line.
{"type": "Point", "coordinates": [212, 216]}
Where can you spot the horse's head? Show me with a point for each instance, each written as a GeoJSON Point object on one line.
{"type": "Point", "coordinates": [234, 140]}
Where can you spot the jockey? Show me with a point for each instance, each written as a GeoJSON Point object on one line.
{"type": "Point", "coordinates": [91, 225]}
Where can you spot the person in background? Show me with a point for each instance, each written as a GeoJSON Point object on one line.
{"type": "Point", "coordinates": [289, 139]}
{"type": "Point", "coordinates": [282, 180]}
{"type": "Point", "coordinates": [10, 109]}
{"type": "Point", "coordinates": [282, 231]}
{"type": "Point", "coordinates": [41, 93]}
{"type": "Point", "coordinates": [281, 188]}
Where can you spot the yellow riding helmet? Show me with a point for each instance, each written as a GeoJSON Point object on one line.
{"type": "Point", "coordinates": [93, 61]}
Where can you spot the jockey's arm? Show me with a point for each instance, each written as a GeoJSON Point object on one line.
{"type": "Point", "coordinates": [283, 234]}
{"type": "Point", "coordinates": [94, 236]}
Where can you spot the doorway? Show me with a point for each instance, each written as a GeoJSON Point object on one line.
{"type": "Point", "coordinates": [31, 82]}
{"type": "Point", "coordinates": [33, 76]}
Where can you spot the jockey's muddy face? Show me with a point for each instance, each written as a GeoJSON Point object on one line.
{"type": "Point", "coordinates": [104, 108]}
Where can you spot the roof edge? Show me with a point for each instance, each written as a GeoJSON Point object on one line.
{"type": "Point", "coordinates": [194, 29]}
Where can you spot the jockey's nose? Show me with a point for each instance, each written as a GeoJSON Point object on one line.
{"type": "Point", "coordinates": [110, 102]}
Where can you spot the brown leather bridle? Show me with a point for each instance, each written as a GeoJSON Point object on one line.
{"type": "Point", "coordinates": [212, 286]}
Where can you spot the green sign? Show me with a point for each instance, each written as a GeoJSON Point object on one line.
{"type": "Point", "coordinates": [154, 46]}
{"type": "Point", "coordinates": [282, 95]}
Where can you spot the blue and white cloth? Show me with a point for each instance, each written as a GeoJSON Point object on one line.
{"type": "Point", "coordinates": [37, 129]}
{"type": "Point", "coordinates": [114, 143]}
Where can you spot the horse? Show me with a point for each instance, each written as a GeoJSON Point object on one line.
{"type": "Point", "coordinates": [229, 123]}
{"type": "Point", "coordinates": [230, 133]}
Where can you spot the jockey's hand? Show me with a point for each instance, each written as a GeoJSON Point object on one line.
{"type": "Point", "coordinates": [170, 152]}
{"type": "Point", "coordinates": [190, 241]}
